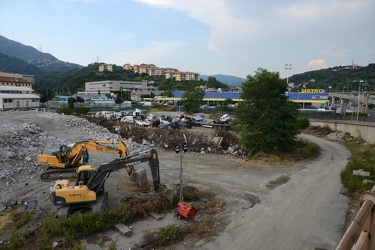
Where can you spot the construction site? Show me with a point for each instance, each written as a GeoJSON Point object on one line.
{"type": "Point", "coordinates": [193, 179]}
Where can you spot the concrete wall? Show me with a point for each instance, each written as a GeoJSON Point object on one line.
{"type": "Point", "coordinates": [366, 131]}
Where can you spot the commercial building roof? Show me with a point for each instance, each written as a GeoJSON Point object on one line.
{"type": "Point", "coordinates": [15, 88]}
{"type": "Point", "coordinates": [18, 96]}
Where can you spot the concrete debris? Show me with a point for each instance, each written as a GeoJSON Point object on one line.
{"type": "Point", "coordinates": [167, 132]}
{"type": "Point", "coordinates": [156, 216]}
{"type": "Point", "coordinates": [361, 172]}
{"type": "Point", "coordinates": [124, 230]}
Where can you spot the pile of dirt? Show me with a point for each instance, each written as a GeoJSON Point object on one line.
{"type": "Point", "coordinates": [318, 130]}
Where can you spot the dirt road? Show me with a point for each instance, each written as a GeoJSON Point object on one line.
{"type": "Point", "coordinates": [284, 207]}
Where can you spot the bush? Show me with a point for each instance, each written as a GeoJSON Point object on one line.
{"type": "Point", "coordinates": [168, 234]}
{"type": "Point", "coordinates": [66, 111]}
{"type": "Point", "coordinates": [362, 159]}
{"type": "Point", "coordinates": [82, 110]}
{"type": "Point", "coordinates": [302, 123]}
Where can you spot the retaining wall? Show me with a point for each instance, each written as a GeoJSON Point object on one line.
{"type": "Point", "coordinates": [364, 130]}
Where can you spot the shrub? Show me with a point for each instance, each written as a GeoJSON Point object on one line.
{"type": "Point", "coordinates": [302, 123]}
{"type": "Point", "coordinates": [66, 111]}
{"type": "Point", "coordinates": [168, 234]}
{"type": "Point", "coordinates": [82, 110]}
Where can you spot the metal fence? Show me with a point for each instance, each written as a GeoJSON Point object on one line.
{"type": "Point", "coordinates": [332, 115]}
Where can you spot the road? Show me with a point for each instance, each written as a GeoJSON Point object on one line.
{"type": "Point", "coordinates": [284, 207]}
{"type": "Point", "coordinates": [307, 212]}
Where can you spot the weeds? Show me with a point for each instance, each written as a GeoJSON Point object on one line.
{"type": "Point", "coordinates": [21, 218]}
{"type": "Point", "coordinates": [168, 234]}
{"type": "Point", "coordinates": [363, 157]}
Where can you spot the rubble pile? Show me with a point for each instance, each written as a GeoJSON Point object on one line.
{"type": "Point", "coordinates": [18, 150]}
{"type": "Point", "coordinates": [21, 143]}
{"type": "Point", "coordinates": [221, 142]}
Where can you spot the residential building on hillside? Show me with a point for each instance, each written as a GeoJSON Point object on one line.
{"type": "Point", "coordinates": [103, 67]}
{"type": "Point", "coordinates": [169, 73]}
{"type": "Point", "coordinates": [186, 76]}
{"type": "Point", "coordinates": [127, 66]}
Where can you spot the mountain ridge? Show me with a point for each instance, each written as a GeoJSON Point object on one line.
{"type": "Point", "coordinates": [29, 54]}
{"type": "Point", "coordinates": [233, 81]}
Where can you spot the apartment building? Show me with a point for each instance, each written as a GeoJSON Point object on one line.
{"type": "Point", "coordinates": [186, 76]}
{"type": "Point", "coordinates": [127, 66]}
{"type": "Point", "coordinates": [103, 67]}
{"type": "Point", "coordinates": [169, 73]}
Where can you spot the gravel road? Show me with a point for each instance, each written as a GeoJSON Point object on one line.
{"type": "Point", "coordinates": [283, 207]}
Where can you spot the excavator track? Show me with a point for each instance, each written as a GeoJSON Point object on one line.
{"type": "Point", "coordinates": [54, 174]}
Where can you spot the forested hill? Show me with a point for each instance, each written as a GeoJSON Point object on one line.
{"type": "Point", "coordinates": [43, 61]}
{"type": "Point", "coordinates": [340, 78]}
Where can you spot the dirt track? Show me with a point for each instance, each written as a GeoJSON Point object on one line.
{"type": "Point", "coordinates": [285, 207]}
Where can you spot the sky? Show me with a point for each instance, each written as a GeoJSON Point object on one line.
{"type": "Point", "coordinates": [230, 37]}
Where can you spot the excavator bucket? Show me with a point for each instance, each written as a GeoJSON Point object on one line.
{"type": "Point", "coordinates": [139, 176]}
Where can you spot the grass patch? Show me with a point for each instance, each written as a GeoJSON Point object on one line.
{"type": "Point", "coordinates": [303, 150]}
{"type": "Point", "coordinates": [363, 157]}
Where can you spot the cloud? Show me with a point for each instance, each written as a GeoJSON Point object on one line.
{"type": "Point", "coordinates": [226, 29]}
{"type": "Point", "coordinates": [317, 64]}
{"type": "Point", "coordinates": [321, 9]}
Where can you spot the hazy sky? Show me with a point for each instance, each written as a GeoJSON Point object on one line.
{"type": "Point", "coordinates": [233, 37]}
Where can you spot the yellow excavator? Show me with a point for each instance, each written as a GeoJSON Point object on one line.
{"type": "Point", "coordinates": [65, 160]}
{"type": "Point", "coordinates": [86, 191]}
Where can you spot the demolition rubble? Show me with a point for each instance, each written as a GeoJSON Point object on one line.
{"type": "Point", "coordinates": [23, 138]}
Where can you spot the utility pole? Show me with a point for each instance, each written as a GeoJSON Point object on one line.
{"type": "Point", "coordinates": [359, 96]}
{"type": "Point", "coordinates": [183, 147]}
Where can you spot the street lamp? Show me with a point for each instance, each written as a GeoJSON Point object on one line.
{"type": "Point", "coordinates": [287, 67]}
{"type": "Point", "coordinates": [359, 96]}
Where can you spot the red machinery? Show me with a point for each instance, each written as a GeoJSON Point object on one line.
{"type": "Point", "coordinates": [185, 210]}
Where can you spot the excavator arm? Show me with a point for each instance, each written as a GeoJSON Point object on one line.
{"type": "Point", "coordinates": [76, 152]}
{"type": "Point", "coordinates": [66, 160]}
{"type": "Point", "coordinates": [97, 180]}
{"type": "Point", "coordinates": [67, 192]}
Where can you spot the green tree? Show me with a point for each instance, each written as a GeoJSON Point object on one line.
{"type": "Point", "coordinates": [191, 99]}
{"type": "Point", "coordinates": [266, 120]}
{"type": "Point", "coordinates": [228, 101]}
{"type": "Point", "coordinates": [71, 101]}
{"type": "Point", "coordinates": [119, 100]}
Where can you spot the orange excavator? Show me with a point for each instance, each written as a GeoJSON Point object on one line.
{"type": "Point", "coordinates": [64, 162]}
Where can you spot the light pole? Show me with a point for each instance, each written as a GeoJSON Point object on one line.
{"type": "Point", "coordinates": [288, 67]}
{"type": "Point", "coordinates": [359, 96]}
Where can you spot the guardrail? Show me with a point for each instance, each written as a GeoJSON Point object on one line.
{"type": "Point", "coordinates": [361, 232]}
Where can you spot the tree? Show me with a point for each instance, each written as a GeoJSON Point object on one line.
{"type": "Point", "coordinates": [266, 120]}
{"type": "Point", "coordinates": [71, 101]}
{"type": "Point", "coordinates": [119, 100]}
{"type": "Point", "coordinates": [191, 99]}
{"type": "Point", "coordinates": [80, 99]}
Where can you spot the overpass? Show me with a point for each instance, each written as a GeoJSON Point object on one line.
{"type": "Point", "coordinates": [364, 99]}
